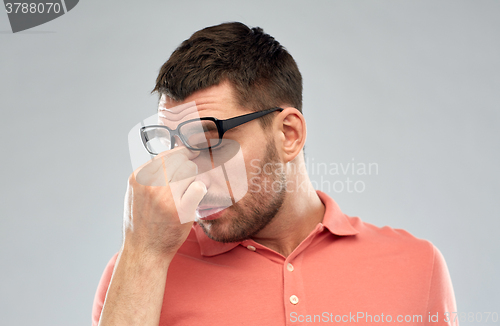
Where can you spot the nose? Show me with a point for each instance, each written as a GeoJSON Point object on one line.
{"type": "Point", "coordinates": [175, 141]}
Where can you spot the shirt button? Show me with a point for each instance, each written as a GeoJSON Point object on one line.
{"type": "Point", "coordinates": [289, 267]}
{"type": "Point", "coordinates": [252, 248]}
{"type": "Point", "coordinates": [294, 299]}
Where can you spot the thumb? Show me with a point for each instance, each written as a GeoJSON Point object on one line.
{"type": "Point", "coordinates": [190, 201]}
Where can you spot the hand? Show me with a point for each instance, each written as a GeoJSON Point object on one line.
{"type": "Point", "coordinates": [152, 208]}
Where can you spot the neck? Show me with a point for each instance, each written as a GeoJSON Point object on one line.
{"type": "Point", "coordinates": [301, 211]}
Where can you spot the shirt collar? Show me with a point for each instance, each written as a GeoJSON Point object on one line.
{"type": "Point", "coordinates": [334, 220]}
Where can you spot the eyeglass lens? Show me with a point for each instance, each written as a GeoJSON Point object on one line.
{"type": "Point", "coordinates": [199, 134]}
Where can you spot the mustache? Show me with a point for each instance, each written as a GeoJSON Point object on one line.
{"type": "Point", "coordinates": [216, 201]}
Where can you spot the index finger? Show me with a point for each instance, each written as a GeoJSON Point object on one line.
{"type": "Point", "coordinates": [160, 169]}
{"type": "Point", "coordinates": [183, 150]}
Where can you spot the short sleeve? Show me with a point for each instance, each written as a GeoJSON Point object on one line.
{"type": "Point", "coordinates": [441, 299]}
{"type": "Point", "coordinates": [102, 289]}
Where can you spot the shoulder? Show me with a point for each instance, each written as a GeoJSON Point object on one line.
{"type": "Point", "coordinates": [389, 258]}
{"type": "Point", "coordinates": [387, 234]}
{"type": "Point", "coordinates": [386, 248]}
{"type": "Point", "coordinates": [397, 243]}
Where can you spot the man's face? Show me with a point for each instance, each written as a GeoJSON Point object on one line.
{"type": "Point", "coordinates": [260, 204]}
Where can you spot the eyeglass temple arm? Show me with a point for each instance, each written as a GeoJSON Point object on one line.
{"type": "Point", "coordinates": [236, 121]}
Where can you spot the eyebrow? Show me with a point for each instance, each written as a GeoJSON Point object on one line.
{"type": "Point", "coordinates": [190, 128]}
{"type": "Point", "coordinates": [234, 128]}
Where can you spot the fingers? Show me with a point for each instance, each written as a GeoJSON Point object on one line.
{"type": "Point", "coordinates": [183, 178]}
{"type": "Point", "coordinates": [187, 170]}
{"type": "Point", "coordinates": [180, 150]}
{"type": "Point", "coordinates": [174, 167]}
{"type": "Point", "coordinates": [163, 167]}
{"type": "Point", "coordinates": [151, 173]}
{"type": "Point", "coordinates": [175, 170]}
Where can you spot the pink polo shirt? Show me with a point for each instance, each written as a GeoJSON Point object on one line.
{"type": "Point", "coordinates": [346, 271]}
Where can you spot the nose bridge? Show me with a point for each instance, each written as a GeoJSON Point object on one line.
{"type": "Point", "coordinates": [175, 141]}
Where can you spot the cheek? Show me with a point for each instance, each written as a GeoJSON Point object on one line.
{"type": "Point", "coordinates": [254, 160]}
{"type": "Point", "coordinates": [235, 167]}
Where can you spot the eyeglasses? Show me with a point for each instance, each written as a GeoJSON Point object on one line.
{"type": "Point", "coordinates": [196, 134]}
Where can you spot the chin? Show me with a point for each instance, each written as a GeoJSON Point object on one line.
{"type": "Point", "coordinates": [222, 230]}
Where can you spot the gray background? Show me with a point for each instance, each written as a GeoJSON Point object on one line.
{"type": "Point", "coordinates": [410, 85]}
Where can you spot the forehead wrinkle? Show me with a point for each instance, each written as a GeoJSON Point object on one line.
{"type": "Point", "coordinates": [220, 103]}
{"type": "Point", "coordinates": [220, 108]}
{"type": "Point", "coordinates": [176, 112]}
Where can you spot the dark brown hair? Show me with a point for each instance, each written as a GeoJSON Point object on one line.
{"type": "Point", "coordinates": [262, 72]}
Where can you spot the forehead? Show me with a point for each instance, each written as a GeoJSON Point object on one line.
{"type": "Point", "coordinates": [216, 101]}
{"type": "Point", "coordinates": [170, 116]}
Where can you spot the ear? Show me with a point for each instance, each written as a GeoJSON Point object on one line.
{"type": "Point", "coordinates": [292, 133]}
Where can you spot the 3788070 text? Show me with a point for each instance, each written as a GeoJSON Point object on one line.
{"type": "Point", "coordinates": [33, 8]}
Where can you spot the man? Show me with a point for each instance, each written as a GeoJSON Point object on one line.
{"type": "Point", "coordinates": [283, 254]}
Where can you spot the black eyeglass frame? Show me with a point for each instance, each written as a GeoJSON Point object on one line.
{"type": "Point", "coordinates": [222, 127]}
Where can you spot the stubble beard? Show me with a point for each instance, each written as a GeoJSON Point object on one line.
{"type": "Point", "coordinates": [254, 211]}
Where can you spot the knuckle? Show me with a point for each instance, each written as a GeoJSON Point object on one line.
{"type": "Point", "coordinates": [187, 170]}
{"type": "Point", "coordinates": [177, 157]}
{"type": "Point", "coordinates": [131, 179]}
{"type": "Point", "coordinates": [191, 166]}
